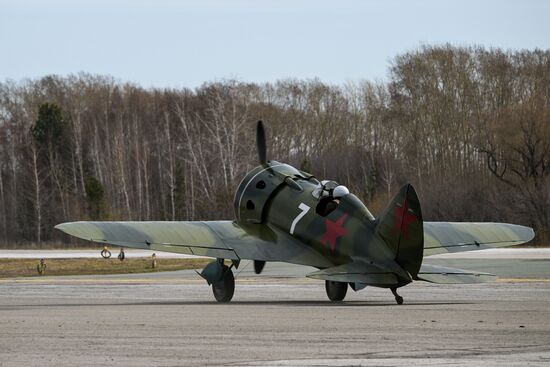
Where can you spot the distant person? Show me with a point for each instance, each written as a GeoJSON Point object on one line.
{"type": "Point", "coordinates": [105, 253]}
{"type": "Point", "coordinates": [154, 261]}
{"type": "Point", "coordinates": [121, 255]}
{"type": "Point", "coordinates": [41, 267]}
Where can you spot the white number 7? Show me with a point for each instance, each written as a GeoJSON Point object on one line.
{"type": "Point", "coordinates": [305, 209]}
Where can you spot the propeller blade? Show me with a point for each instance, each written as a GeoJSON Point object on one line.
{"type": "Point", "coordinates": [260, 142]}
{"type": "Point", "coordinates": [258, 266]}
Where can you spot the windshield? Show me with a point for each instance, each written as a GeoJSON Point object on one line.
{"type": "Point", "coordinates": [323, 188]}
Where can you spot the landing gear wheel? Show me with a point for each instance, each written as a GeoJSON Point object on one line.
{"type": "Point", "coordinates": [223, 289]}
{"type": "Point", "coordinates": [398, 298]}
{"type": "Point", "coordinates": [336, 291]}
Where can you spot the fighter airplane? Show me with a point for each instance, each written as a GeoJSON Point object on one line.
{"type": "Point", "coordinates": [284, 214]}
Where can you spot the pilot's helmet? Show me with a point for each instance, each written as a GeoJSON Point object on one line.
{"type": "Point", "coordinates": [340, 191]}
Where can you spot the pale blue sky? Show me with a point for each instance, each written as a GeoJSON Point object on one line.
{"type": "Point", "coordinates": [168, 43]}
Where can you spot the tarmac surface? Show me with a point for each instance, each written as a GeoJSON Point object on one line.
{"type": "Point", "coordinates": [279, 319]}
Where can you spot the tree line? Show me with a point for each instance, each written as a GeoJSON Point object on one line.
{"type": "Point", "coordinates": [469, 127]}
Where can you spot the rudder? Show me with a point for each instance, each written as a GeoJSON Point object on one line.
{"type": "Point", "coordinates": [401, 227]}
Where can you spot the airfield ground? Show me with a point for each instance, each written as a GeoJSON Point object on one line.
{"type": "Point", "coordinates": [10, 268]}
{"type": "Point", "coordinates": [170, 319]}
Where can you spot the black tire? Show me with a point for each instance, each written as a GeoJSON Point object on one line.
{"type": "Point", "coordinates": [223, 289]}
{"type": "Point", "coordinates": [336, 291]}
{"type": "Point", "coordinates": [399, 300]}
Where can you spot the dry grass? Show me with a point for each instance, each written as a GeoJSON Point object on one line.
{"type": "Point", "coordinates": [10, 268]}
{"type": "Point", "coordinates": [50, 245]}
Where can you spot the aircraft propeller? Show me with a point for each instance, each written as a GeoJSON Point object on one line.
{"type": "Point", "coordinates": [260, 143]}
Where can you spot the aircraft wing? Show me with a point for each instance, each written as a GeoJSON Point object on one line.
{"type": "Point", "coordinates": [217, 239]}
{"type": "Point", "coordinates": [444, 237]}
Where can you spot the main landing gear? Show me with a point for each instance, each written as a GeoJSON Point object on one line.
{"type": "Point", "coordinates": [224, 288]}
{"type": "Point", "coordinates": [220, 276]}
{"type": "Point", "coordinates": [336, 291]}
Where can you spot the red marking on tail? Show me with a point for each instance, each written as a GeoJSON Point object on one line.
{"type": "Point", "coordinates": [403, 219]}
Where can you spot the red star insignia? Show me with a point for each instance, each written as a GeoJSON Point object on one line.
{"type": "Point", "coordinates": [403, 218]}
{"type": "Point", "coordinates": [333, 231]}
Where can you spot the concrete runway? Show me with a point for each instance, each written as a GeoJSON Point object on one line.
{"type": "Point", "coordinates": [170, 319]}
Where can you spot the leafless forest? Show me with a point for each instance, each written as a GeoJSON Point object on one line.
{"type": "Point", "coordinates": [469, 127]}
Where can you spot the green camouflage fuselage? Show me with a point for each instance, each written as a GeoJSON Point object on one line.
{"type": "Point", "coordinates": [279, 196]}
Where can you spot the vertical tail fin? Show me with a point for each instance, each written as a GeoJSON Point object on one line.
{"type": "Point", "coordinates": [401, 227]}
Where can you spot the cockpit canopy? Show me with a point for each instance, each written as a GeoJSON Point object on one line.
{"type": "Point", "coordinates": [330, 188]}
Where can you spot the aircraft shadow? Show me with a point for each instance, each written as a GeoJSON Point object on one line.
{"type": "Point", "coordinates": [296, 303]}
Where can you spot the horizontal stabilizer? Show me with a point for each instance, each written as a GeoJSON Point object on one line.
{"type": "Point", "coordinates": [356, 273]}
{"type": "Point", "coordinates": [444, 275]}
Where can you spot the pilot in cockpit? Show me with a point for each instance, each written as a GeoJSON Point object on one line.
{"type": "Point", "coordinates": [330, 197]}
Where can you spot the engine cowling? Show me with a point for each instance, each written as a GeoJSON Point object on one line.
{"type": "Point", "coordinates": [258, 186]}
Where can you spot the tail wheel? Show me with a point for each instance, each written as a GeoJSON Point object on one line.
{"type": "Point", "coordinates": [223, 289]}
{"type": "Point", "coordinates": [336, 291]}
